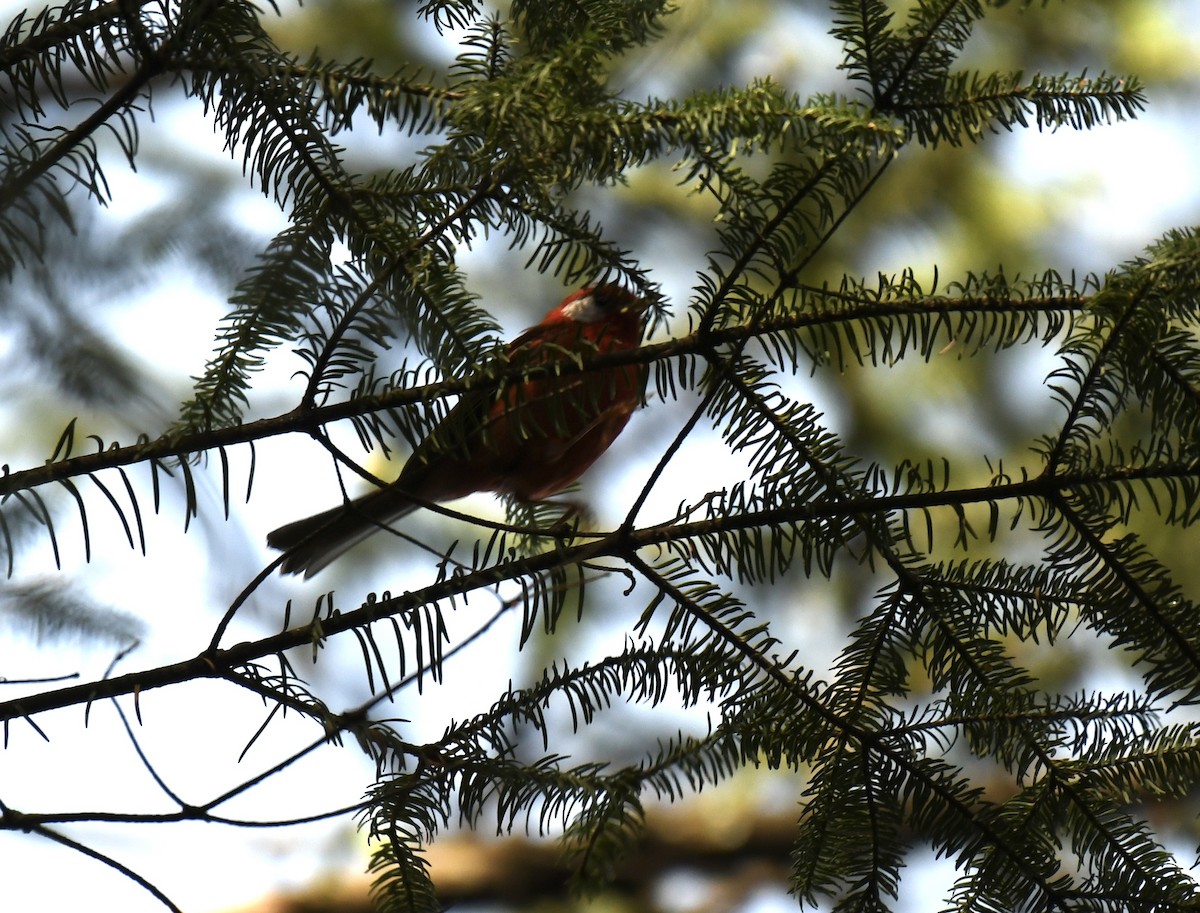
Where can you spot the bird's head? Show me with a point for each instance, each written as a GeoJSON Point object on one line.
{"type": "Point", "coordinates": [608, 303]}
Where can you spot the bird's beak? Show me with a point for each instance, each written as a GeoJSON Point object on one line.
{"type": "Point", "coordinates": [636, 305]}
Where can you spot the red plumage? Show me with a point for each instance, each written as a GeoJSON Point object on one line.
{"type": "Point", "coordinates": [531, 439]}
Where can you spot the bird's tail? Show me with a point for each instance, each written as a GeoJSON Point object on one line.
{"type": "Point", "coordinates": [314, 542]}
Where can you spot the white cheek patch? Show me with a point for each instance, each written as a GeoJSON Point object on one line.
{"type": "Point", "coordinates": [584, 310]}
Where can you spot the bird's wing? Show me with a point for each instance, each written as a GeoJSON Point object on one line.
{"type": "Point", "coordinates": [456, 435]}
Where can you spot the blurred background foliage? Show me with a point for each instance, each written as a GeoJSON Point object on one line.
{"type": "Point", "coordinates": [112, 324]}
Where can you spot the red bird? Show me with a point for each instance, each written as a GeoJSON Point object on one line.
{"type": "Point", "coordinates": [529, 439]}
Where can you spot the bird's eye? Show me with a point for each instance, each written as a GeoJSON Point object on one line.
{"type": "Point", "coordinates": [610, 297]}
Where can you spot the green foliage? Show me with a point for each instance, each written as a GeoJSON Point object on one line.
{"type": "Point", "coordinates": [936, 694]}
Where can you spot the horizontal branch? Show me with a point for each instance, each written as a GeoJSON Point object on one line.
{"type": "Point", "coordinates": [620, 544]}
{"type": "Point", "coordinates": [67, 32]}
{"type": "Point", "coordinates": [216, 663]}
{"type": "Point", "coordinates": [307, 421]}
